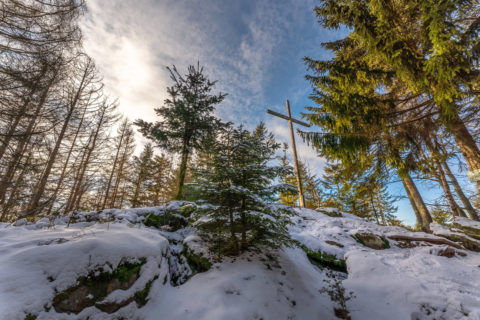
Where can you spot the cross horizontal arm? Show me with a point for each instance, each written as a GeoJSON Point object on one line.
{"type": "Point", "coordinates": [287, 118]}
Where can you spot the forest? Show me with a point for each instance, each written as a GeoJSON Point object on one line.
{"type": "Point", "coordinates": [397, 101]}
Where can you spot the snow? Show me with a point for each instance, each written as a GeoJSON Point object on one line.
{"type": "Point", "coordinates": [467, 222]}
{"type": "Point", "coordinates": [243, 289]}
{"type": "Point", "coordinates": [40, 258]}
{"type": "Point", "coordinates": [29, 258]}
{"type": "Point", "coordinates": [398, 283]}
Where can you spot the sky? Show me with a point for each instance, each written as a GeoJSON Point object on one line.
{"type": "Point", "coordinates": [254, 48]}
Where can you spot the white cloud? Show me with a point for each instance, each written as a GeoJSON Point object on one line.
{"type": "Point", "coordinates": [279, 127]}
{"type": "Point", "coordinates": [238, 43]}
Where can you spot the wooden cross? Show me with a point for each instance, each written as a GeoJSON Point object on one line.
{"type": "Point", "coordinates": [294, 149]}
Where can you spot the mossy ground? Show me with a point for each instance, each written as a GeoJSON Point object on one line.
{"type": "Point", "coordinates": [469, 231]}
{"type": "Point", "coordinates": [97, 283]}
{"type": "Point", "coordinates": [464, 241]}
{"type": "Point", "coordinates": [372, 241]}
{"type": "Point", "coordinates": [197, 262]}
{"type": "Point", "coordinates": [141, 297]}
{"type": "Point", "coordinates": [167, 219]}
{"type": "Point", "coordinates": [325, 260]}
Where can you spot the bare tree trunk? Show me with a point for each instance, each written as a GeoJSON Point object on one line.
{"type": "Point", "coordinates": [374, 210]}
{"type": "Point", "coordinates": [114, 164]}
{"type": "Point", "coordinates": [76, 179]}
{"type": "Point", "coordinates": [458, 190]}
{"type": "Point", "coordinates": [79, 190]}
{"type": "Point", "coordinates": [118, 179]}
{"type": "Point", "coordinates": [22, 112]}
{"type": "Point", "coordinates": [14, 190]}
{"type": "Point", "coordinates": [423, 216]}
{"type": "Point", "coordinates": [40, 188]}
{"type": "Point", "coordinates": [456, 210]}
{"type": "Point", "coordinates": [64, 169]}
{"type": "Point", "coordinates": [466, 144]}
{"type": "Point", "coordinates": [381, 211]}
{"type": "Point", "coordinates": [23, 141]}
{"type": "Point", "coordinates": [440, 176]}
{"type": "Point", "coordinates": [182, 171]}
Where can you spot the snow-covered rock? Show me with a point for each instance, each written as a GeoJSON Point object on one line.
{"type": "Point", "coordinates": [419, 276]}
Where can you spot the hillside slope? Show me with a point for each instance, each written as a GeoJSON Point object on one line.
{"type": "Point", "coordinates": [149, 264]}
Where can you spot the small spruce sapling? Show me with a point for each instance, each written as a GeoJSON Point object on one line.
{"type": "Point", "coordinates": [239, 182]}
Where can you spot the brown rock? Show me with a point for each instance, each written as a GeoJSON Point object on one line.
{"type": "Point", "coordinates": [449, 252]}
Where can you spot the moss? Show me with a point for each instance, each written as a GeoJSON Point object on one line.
{"type": "Point", "coordinates": [187, 210]}
{"type": "Point", "coordinates": [465, 242]}
{"type": "Point", "coordinates": [125, 271]}
{"type": "Point", "coordinates": [99, 284]}
{"type": "Point", "coordinates": [372, 241]}
{"type": "Point", "coordinates": [31, 219]}
{"type": "Point", "coordinates": [141, 296]}
{"type": "Point", "coordinates": [334, 243]}
{"type": "Point", "coordinates": [469, 231]}
{"type": "Point", "coordinates": [30, 317]}
{"type": "Point", "coordinates": [167, 219]}
{"type": "Point", "coordinates": [197, 262]}
{"type": "Point", "coordinates": [325, 260]}
{"type": "Point", "coordinates": [331, 213]}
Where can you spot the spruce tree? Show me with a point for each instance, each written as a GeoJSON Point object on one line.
{"type": "Point", "coordinates": [238, 181]}
{"type": "Point", "coordinates": [421, 57]}
{"type": "Point", "coordinates": [313, 193]}
{"type": "Point", "coordinates": [186, 117]}
{"type": "Point", "coordinates": [143, 169]}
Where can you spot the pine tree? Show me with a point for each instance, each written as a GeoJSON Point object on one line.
{"type": "Point", "coordinates": [162, 182]}
{"type": "Point", "coordinates": [187, 117]}
{"type": "Point", "coordinates": [142, 172]}
{"type": "Point", "coordinates": [421, 57]}
{"type": "Point", "coordinates": [238, 182]}
{"type": "Point", "coordinates": [312, 191]}
{"type": "Point", "coordinates": [360, 190]}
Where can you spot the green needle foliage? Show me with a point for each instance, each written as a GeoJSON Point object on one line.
{"type": "Point", "coordinates": [405, 67]}
{"type": "Point", "coordinates": [403, 62]}
{"type": "Point", "coordinates": [237, 181]}
{"type": "Point", "coordinates": [186, 117]}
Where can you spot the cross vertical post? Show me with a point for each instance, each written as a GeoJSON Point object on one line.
{"type": "Point", "coordinates": [291, 120]}
{"type": "Point", "coordinates": [301, 199]}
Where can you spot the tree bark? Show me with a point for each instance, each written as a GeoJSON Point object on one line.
{"type": "Point", "coordinates": [423, 216]}
{"type": "Point", "coordinates": [439, 174]}
{"type": "Point", "coordinates": [64, 169]}
{"type": "Point", "coordinates": [466, 144]}
{"type": "Point", "coordinates": [458, 190]}
{"type": "Point", "coordinates": [182, 172]}
{"type": "Point", "coordinates": [114, 167]}
{"type": "Point", "coordinates": [22, 111]}
{"type": "Point", "coordinates": [40, 188]}
{"type": "Point", "coordinates": [456, 210]}
{"type": "Point", "coordinates": [77, 195]}
{"type": "Point", "coordinates": [119, 174]}
{"type": "Point", "coordinates": [22, 143]}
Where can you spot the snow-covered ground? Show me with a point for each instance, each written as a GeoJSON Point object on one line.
{"type": "Point", "coordinates": [39, 259]}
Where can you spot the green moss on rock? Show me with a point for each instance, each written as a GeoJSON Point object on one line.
{"type": "Point", "coordinates": [372, 241]}
{"type": "Point", "coordinates": [464, 241]}
{"type": "Point", "coordinates": [96, 286]}
{"type": "Point", "coordinates": [325, 260]}
{"type": "Point", "coordinates": [469, 231]}
{"type": "Point", "coordinates": [172, 221]}
{"type": "Point", "coordinates": [187, 210]}
{"type": "Point", "coordinates": [141, 297]}
{"type": "Point", "coordinates": [197, 262]}
{"type": "Point", "coordinates": [332, 213]}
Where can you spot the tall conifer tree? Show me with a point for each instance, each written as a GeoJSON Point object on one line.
{"type": "Point", "coordinates": [187, 117]}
